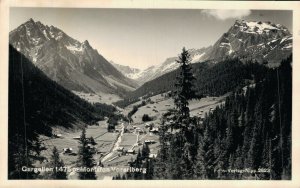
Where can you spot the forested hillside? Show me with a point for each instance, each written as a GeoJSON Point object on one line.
{"type": "Point", "coordinates": [247, 138]}
{"type": "Point", "coordinates": [211, 79]}
{"type": "Point", "coordinates": [36, 104]}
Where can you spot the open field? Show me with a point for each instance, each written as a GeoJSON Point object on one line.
{"type": "Point", "coordinates": [161, 105]}
{"type": "Point", "coordinates": [103, 139]}
{"type": "Point", "coordinates": [99, 97]}
{"type": "Point", "coordinates": [205, 104]}
{"type": "Point", "coordinates": [128, 140]}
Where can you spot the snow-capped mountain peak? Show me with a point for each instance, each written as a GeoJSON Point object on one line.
{"type": "Point", "coordinates": [75, 65]}
{"type": "Point", "coordinates": [253, 40]}
{"type": "Point", "coordinates": [127, 71]}
{"type": "Point", "coordinates": [170, 64]}
{"type": "Point", "coordinates": [250, 40]}
{"type": "Point", "coordinates": [259, 27]}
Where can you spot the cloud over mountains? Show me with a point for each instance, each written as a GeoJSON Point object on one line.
{"type": "Point", "coordinates": [227, 14]}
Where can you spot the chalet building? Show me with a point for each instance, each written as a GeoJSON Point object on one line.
{"type": "Point", "coordinates": [120, 149]}
{"type": "Point", "coordinates": [57, 135]}
{"type": "Point", "coordinates": [131, 151]}
{"type": "Point", "coordinates": [154, 130]}
{"type": "Point", "coordinates": [67, 150]}
{"type": "Point", "coordinates": [149, 141]}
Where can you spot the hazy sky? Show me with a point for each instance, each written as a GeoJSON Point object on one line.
{"type": "Point", "coordinates": [144, 37]}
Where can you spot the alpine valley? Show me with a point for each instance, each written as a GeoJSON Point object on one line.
{"type": "Point", "coordinates": [204, 113]}
{"type": "Point", "coordinates": [79, 67]}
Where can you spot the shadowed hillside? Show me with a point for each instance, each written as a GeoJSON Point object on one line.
{"type": "Point", "coordinates": [36, 104]}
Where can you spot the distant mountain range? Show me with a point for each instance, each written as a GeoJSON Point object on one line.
{"type": "Point", "coordinates": [247, 40]}
{"type": "Point", "coordinates": [168, 65]}
{"type": "Point", "coordinates": [127, 70]}
{"type": "Point", "coordinates": [212, 79]}
{"type": "Point", "coordinates": [79, 67]}
{"type": "Point", "coordinates": [72, 64]}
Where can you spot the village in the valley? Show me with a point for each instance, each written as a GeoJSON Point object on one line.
{"type": "Point", "coordinates": [119, 147]}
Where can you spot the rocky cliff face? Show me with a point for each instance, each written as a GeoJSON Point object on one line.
{"type": "Point", "coordinates": [74, 65]}
{"type": "Point", "coordinates": [254, 40]}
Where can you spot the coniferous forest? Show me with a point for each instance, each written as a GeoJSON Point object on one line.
{"type": "Point", "coordinates": [247, 138]}
{"type": "Point", "coordinates": [36, 104]}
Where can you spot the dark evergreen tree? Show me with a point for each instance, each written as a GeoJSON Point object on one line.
{"type": "Point", "coordinates": [175, 168]}
{"type": "Point", "coordinates": [92, 141]}
{"type": "Point", "coordinates": [59, 171]}
{"type": "Point", "coordinates": [162, 156]}
{"type": "Point", "coordinates": [184, 89]}
{"type": "Point", "coordinates": [205, 163]}
{"type": "Point", "coordinates": [85, 158]}
{"type": "Point", "coordinates": [145, 151]}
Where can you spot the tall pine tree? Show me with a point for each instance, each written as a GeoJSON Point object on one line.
{"type": "Point", "coordinates": [58, 165]}
{"type": "Point", "coordinates": [85, 158]}
{"type": "Point", "coordinates": [184, 89]}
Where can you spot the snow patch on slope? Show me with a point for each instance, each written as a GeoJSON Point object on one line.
{"type": "Point", "coordinates": [197, 57]}
{"type": "Point", "coordinates": [74, 48]}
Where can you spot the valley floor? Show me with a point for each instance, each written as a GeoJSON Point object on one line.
{"type": "Point", "coordinates": [99, 97]}
{"type": "Point", "coordinates": [126, 137]}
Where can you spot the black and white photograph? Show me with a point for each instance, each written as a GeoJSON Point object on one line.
{"type": "Point", "coordinates": [149, 94]}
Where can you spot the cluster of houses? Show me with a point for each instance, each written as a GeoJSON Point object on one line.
{"type": "Point", "coordinates": [69, 151]}
{"type": "Point", "coordinates": [138, 130]}
{"type": "Point", "coordinates": [126, 152]}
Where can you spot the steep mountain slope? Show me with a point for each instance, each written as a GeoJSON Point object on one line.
{"type": "Point", "coordinates": [247, 40]}
{"type": "Point", "coordinates": [74, 65]}
{"type": "Point", "coordinates": [253, 40]}
{"type": "Point", "coordinates": [44, 101]}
